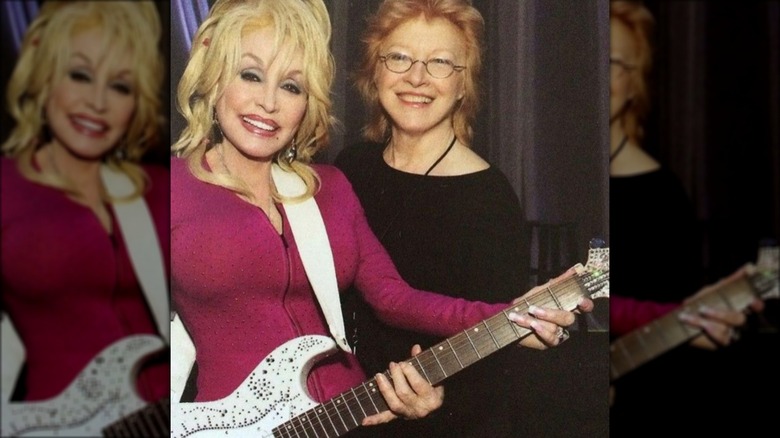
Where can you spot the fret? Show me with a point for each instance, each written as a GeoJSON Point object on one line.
{"type": "Point", "coordinates": [357, 402]}
{"type": "Point", "coordinates": [345, 405]}
{"type": "Point", "coordinates": [438, 362]}
{"type": "Point", "coordinates": [138, 427]}
{"type": "Point", "coordinates": [466, 350]}
{"type": "Point", "coordinates": [429, 366]}
{"type": "Point", "coordinates": [514, 326]}
{"type": "Point", "coordinates": [557, 303]}
{"type": "Point", "coordinates": [503, 330]}
{"type": "Point", "coordinates": [318, 412]}
{"type": "Point", "coordinates": [491, 334]}
{"type": "Point", "coordinates": [316, 424]}
{"type": "Point", "coordinates": [338, 412]}
{"type": "Point", "coordinates": [302, 427]}
{"type": "Point", "coordinates": [153, 420]}
{"type": "Point", "coordinates": [466, 332]}
{"type": "Point", "coordinates": [483, 341]}
{"type": "Point", "coordinates": [371, 395]}
{"type": "Point", "coordinates": [421, 368]}
{"type": "Point", "coordinates": [455, 354]}
{"type": "Point", "coordinates": [283, 430]}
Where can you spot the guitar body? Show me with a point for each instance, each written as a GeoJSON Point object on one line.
{"type": "Point", "coordinates": [273, 393]}
{"type": "Point", "coordinates": [101, 394]}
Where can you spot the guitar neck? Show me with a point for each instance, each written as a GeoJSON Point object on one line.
{"type": "Point", "coordinates": [656, 338]}
{"type": "Point", "coordinates": [346, 411]}
{"type": "Point", "coordinates": [154, 420]}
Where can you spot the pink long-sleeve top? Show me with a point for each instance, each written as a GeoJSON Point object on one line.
{"type": "Point", "coordinates": [68, 286]}
{"type": "Point", "coordinates": [628, 314]}
{"type": "Point", "coordinates": [241, 290]}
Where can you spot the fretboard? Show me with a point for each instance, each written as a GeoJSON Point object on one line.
{"type": "Point", "coordinates": [153, 421]}
{"type": "Point", "coordinates": [346, 411]}
{"type": "Point", "coordinates": [656, 338]}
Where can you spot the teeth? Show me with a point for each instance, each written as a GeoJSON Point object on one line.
{"type": "Point", "coordinates": [89, 124]}
{"type": "Point", "coordinates": [417, 99]}
{"type": "Point", "coordinates": [259, 125]}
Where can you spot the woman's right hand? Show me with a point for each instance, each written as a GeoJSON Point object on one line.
{"type": "Point", "coordinates": [547, 324]}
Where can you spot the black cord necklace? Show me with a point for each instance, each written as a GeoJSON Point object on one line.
{"type": "Point", "coordinates": [619, 148]}
{"type": "Point", "coordinates": [392, 221]}
{"type": "Point", "coordinates": [447, 151]}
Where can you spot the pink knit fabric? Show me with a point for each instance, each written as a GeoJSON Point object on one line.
{"type": "Point", "coordinates": [68, 287]}
{"type": "Point", "coordinates": [628, 314]}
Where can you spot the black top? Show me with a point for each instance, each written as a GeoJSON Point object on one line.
{"type": "Point", "coordinates": [462, 236]}
{"type": "Point", "coordinates": [655, 242]}
{"type": "Point", "coordinates": [655, 254]}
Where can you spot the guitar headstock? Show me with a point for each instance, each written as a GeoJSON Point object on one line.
{"type": "Point", "coordinates": [768, 269]}
{"type": "Point", "coordinates": [595, 273]}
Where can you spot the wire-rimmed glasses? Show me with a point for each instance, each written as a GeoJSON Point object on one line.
{"type": "Point", "coordinates": [438, 68]}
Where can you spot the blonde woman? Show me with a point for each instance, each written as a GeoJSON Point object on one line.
{"type": "Point", "coordinates": [85, 100]}
{"type": "Point", "coordinates": [256, 98]}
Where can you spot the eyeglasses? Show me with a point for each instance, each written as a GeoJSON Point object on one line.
{"type": "Point", "coordinates": [439, 68]}
{"type": "Point", "coordinates": [617, 63]}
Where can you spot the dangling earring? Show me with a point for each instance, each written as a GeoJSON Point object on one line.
{"type": "Point", "coordinates": [291, 153]}
{"type": "Point", "coordinates": [120, 153]}
{"type": "Point", "coordinates": [216, 131]}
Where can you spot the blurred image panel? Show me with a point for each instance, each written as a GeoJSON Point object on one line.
{"type": "Point", "coordinates": [694, 215]}
{"type": "Point", "coordinates": [84, 204]}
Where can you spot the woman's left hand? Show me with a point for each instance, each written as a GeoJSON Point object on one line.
{"type": "Point", "coordinates": [409, 395]}
{"type": "Point", "coordinates": [548, 325]}
{"type": "Point", "coordinates": [720, 326]}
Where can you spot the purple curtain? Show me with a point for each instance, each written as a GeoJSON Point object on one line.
{"type": "Point", "coordinates": [716, 119]}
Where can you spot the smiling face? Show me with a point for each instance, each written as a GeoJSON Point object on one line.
{"type": "Point", "coordinates": [416, 102]}
{"type": "Point", "coordinates": [261, 108]}
{"type": "Point", "coordinates": [90, 109]}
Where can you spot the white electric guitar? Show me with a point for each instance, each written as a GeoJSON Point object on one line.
{"type": "Point", "coordinates": [274, 402]}
{"type": "Point", "coordinates": [100, 401]}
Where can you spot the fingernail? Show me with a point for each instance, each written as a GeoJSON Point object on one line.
{"type": "Point", "coordinates": [536, 311]}
{"type": "Point", "coordinates": [520, 319]}
{"type": "Point", "coordinates": [685, 316]}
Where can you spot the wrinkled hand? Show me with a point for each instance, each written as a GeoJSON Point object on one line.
{"type": "Point", "coordinates": [548, 325]}
{"type": "Point", "coordinates": [409, 395]}
{"type": "Point", "coordinates": [719, 325]}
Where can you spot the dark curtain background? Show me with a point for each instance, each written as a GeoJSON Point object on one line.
{"type": "Point", "coordinates": [716, 120]}
{"type": "Point", "coordinates": [716, 123]}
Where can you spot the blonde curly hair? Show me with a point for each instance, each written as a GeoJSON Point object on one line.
{"type": "Point", "coordinates": [42, 64]}
{"type": "Point", "coordinates": [214, 62]}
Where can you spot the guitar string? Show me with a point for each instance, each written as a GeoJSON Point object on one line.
{"type": "Point", "coordinates": [661, 328]}
{"type": "Point", "coordinates": [570, 288]}
{"type": "Point", "coordinates": [562, 293]}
